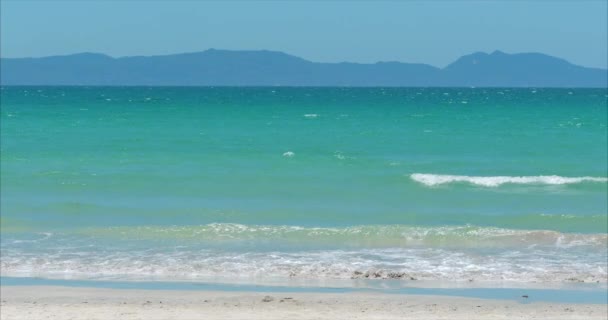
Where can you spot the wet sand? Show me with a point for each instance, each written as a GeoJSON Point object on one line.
{"type": "Point", "coordinates": [55, 302]}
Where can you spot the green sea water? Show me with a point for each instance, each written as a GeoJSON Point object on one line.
{"type": "Point", "coordinates": [496, 185]}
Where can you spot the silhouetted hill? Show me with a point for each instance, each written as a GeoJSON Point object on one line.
{"type": "Point", "coordinates": [270, 68]}
{"type": "Point", "coordinates": [521, 70]}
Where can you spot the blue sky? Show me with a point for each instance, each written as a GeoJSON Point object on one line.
{"type": "Point", "coordinates": [434, 32]}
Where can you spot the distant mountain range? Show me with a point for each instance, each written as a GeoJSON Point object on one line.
{"type": "Point", "coordinates": [269, 68]}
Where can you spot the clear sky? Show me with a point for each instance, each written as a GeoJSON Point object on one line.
{"type": "Point", "coordinates": [434, 32]}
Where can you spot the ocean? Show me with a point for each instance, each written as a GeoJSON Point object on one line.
{"type": "Point", "coordinates": [456, 186]}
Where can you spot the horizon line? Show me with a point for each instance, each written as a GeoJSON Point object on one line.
{"type": "Point", "coordinates": [293, 87]}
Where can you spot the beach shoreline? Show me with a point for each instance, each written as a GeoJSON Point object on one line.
{"type": "Point", "coordinates": [57, 302]}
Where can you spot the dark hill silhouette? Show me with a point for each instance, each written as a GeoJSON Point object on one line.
{"type": "Point", "coordinates": [269, 68]}
{"type": "Point", "coordinates": [521, 70]}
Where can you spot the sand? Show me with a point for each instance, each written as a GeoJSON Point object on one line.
{"type": "Point", "coordinates": [53, 302]}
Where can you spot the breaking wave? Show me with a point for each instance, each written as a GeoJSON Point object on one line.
{"type": "Point", "coordinates": [496, 181]}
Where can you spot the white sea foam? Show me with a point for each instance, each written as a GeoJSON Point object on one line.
{"type": "Point", "coordinates": [523, 266]}
{"type": "Point", "coordinates": [448, 253]}
{"type": "Point", "coordinates": [495, 181]}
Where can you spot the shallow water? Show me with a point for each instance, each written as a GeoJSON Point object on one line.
{"type": "Point", "coordinates": [197, 184]}
{"type": "Point", "coordinates": [571, 294]}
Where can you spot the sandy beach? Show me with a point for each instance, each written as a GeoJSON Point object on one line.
{"type": "Point", "coordinates": [53, 302]}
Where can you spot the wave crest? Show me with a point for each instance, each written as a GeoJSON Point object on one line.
{"type": "Point", "coordinates": [495, 181]}
{"type": "Point", "coordinates": [364, 236]}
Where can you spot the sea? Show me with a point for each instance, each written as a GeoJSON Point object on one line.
{"type": "Point", "coordinates": [487, 187]}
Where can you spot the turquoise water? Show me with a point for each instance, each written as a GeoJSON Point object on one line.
{"type": "Point", "coordinates": [313, 184]}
